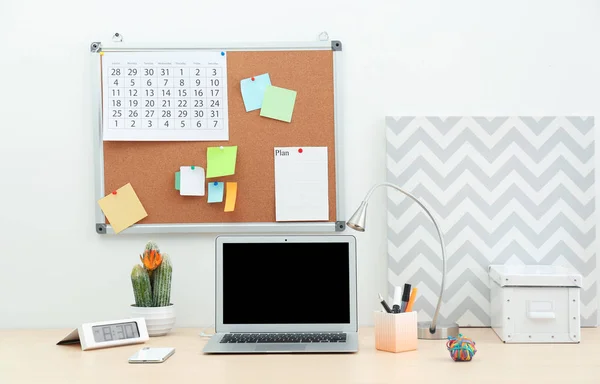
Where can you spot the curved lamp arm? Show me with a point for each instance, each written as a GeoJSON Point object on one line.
{"type": "Point", "coordinates": [357, 222]}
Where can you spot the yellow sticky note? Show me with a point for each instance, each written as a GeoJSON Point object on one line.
{"type": "Point", "coordinates": [220, 161]}
{"type": "Point", "coordinates": [123, 208]}
{"type": "Point", "coordinates": [230, 196]}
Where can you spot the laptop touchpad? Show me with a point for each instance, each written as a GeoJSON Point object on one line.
{"type": "Point", "coordinates": [280, 347]}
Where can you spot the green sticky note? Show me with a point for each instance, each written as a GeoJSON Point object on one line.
{"type": "Point", "coordinates": [278, 103]}
{"type": "Point", "coordinates": [220, 161]}
{"type": "Point", "coordinates": [177, 181]}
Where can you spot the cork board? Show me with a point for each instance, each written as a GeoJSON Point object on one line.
{"type": "Point", "coordinates": [150, 166]}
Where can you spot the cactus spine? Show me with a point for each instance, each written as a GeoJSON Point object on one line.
{"type": "Point", "coordinates": [161, 283]}
{"type": "Point", "coordinates": [141, 286]}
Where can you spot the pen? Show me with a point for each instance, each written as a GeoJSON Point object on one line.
{"type": "Point", "coordinates": [395, 308]}
{"type": "Point", "coordinates": [405, 297]}
{"type": "Point", "coordinates": [385, 306]}
{"type": "Point", "coordinates": [411, 301]}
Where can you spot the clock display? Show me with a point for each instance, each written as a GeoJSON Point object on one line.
{"type": "Point", "coordinates": [117, 331]}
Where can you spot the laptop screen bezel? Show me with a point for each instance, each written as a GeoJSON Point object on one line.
{"type": "Point", "coordinates": [352, 326]}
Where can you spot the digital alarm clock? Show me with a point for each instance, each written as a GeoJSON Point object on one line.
{"type": "Point", "coordinates": [104, 334]}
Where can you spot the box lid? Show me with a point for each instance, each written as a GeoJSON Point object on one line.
{"type": "Point", "coordinates": [534, 275]}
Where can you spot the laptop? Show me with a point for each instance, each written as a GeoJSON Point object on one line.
{"type": "Point", "coordinates": [285, 294]}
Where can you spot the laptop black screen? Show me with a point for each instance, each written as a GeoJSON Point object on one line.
{"type": "Point", "coordinates": [286, 283]}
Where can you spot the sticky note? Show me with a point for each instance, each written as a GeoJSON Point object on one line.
{"type": "Point", "coordinates": [278, 103]}
{"type": "Point", "coordinates": [215, 191]}
{"type": "Point", "coordinates": [253, 90]}
{"type": "Point", "coordinates": [191, 182]}
{"type": "Point", "coordinates": [230, 196]}
{"type": "Point", "coordinates": [220, 161]}
{"type": "Point", "coordinates": [177, 180]}
{"type": "Point", "coordinates": [122, 209]}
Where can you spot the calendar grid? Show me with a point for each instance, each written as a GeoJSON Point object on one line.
{"type": "Point", "coordinates": [166, 96]}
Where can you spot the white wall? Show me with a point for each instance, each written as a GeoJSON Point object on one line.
{"type": "Point", "coordinates": [401, 57]}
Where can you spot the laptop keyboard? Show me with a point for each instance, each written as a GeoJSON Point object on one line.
{"type": "Point", "coordinates": [319, 337]}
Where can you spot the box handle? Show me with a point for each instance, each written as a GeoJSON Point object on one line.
{"type": "Point", "coordinates": [541, 315]}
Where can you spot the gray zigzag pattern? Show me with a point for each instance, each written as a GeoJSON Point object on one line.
{"type": "Point", "coordinates": [490, 124]}
{"type": "Point", "coordinates": [584, 151]}
{"type": "Point", "coordinates": [561, 136]}
{"type": "Point", "coordinates": [420, 165]}
{"type": "Point", "coordinates": [491, 238]}
{"type": "Point", "coordinates": [583, 124]}
{"type": "Point", "coordinates": [540, 208]}
{"type": "Point", "coordinates": [561, 249]}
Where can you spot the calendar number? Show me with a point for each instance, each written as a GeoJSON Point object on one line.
{"type": "Point", "coordinates": [164, 72]}
{"type": "Point", "coordinates": [148, 72]}
{"type": "Point", "coordinates": [117, 113]}
{"type": "Point", "coordinates": [166, 113]}
{"type": "Point", "coordinates": [132, 72]}
{"type": "Point", "coordinates": [115, 72]}
{"type": "Point", "coordinates": [150, 113]}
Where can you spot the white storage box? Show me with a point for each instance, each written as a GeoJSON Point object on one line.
{"type": "Point", "coordinates": [535, 303]}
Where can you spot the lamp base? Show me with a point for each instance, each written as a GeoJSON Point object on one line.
{"type": "Point", "coordinates": [442, 331]}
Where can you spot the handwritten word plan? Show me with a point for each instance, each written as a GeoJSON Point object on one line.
{"type": "Point", "coordinates": [165, 96]}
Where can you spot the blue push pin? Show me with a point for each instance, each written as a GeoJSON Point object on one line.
{"type": "Point", "coordinates": [216, 183]}
{"type": "Point", "coordinates": [222, 53]}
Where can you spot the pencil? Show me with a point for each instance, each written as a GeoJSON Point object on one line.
{"type": "Point", "coordinates": [411, 301]}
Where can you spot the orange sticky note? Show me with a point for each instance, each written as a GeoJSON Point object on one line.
{"type": "Point", "coordinates": [230, 196]}
{"type": "Point", "coordinates": [122, 208]}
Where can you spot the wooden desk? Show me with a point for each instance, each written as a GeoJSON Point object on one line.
{"type": "Point", "coordinates": [31, 356]}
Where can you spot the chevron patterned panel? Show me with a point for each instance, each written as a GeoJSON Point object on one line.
{"type": "Point", "coordinates": [514, 190]}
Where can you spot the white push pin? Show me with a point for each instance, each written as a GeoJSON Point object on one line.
{"type": "Point", "coordinates": [221, 147]}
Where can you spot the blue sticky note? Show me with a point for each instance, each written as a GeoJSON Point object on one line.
{"type": "Point", "coordinates": [215, 191]}
{"type": "Point", "coordinates": [254, 90]}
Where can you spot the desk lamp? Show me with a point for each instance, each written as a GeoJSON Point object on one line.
{"type": "Point", "coordinates": [431, 331]}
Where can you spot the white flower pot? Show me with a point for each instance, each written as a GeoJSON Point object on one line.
{"type": "Point", "coordinates": [159, 320]}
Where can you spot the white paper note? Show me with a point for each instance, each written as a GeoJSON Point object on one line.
{"type": "Point", "coordinates": [191, 182]}
{"type": "Point", "coordinates": [301, 184]}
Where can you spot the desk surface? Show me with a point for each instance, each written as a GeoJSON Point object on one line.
{"type": "Point", "coordinates": [31, 356]}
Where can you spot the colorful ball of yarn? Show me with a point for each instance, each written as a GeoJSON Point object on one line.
{"type": "Point", "coordinates": [461, 348]}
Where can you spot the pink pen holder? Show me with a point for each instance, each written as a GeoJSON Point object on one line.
{"type": "Point", "coordinates": [396, 332]}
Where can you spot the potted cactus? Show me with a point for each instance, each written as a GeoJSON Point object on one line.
{"type": "Point", "coordinates": [151, 283]}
